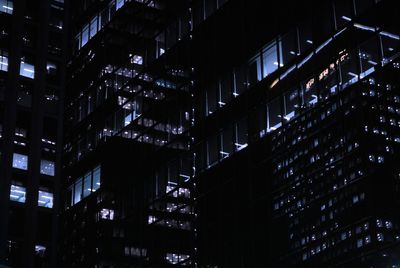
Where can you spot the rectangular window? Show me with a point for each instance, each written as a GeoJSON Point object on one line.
{"type": "Point", "coordinates": [87, 184]}
{"type": "Point", "coordinates": [226, 143]}
{"type": "Point", "coordinates": [225, 88]}
{"type": "Point", "coordinates": [348, 69]}
{"type": "Point", "coordinates": [270, 58]}
{"type": "Point", "coordinates": [211, 94]}
{"type": "Point", "coordinates": [69, 201]}
{"type": "Point", "coordinates": [3, 60]}
{"type": "Point", "coordinates": [6, 6]}
{"type": "Point", "coordinates": [20, 161]}
{"type": "Point", "coordinates": [47, 167]}
{"type": "Point", "coordinates": [27, 70]}
{"type": "Point", "coordinates": [291, 103]}
{"type": "Point", "coordinates": [45, 199]}
{"type": "Point", "coordinates": [369, 56]}
{"type": "Point", "coordinates": [93, 27]}
{"type": "Point", "coordinates": [85, 35]}
{"type": "Point", "coordinates": [254, 70]}
{"type": "Point", "coordinates": [240, 81]}
{"type": "Point", "coordinates": [17, 193]}
{"type": "Point", "coordinates": [138, 59]}
{"type": "Point", "coordinates": [288, 47]}
{"type": "Point", "coordinates": [78, 191]}
{"type": "Point", "coordinates": [96, 178]}
{"type": "Point", "coordinates": [241, 134]}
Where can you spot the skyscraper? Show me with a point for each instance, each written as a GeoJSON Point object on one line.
{"type": "Point", "coordinates": [31, 84]}
{"type": "Point", "coordinates": [202, 133]}
{"type": "Point", "coordinates": [128, 110]}
{"type": "Point", "coordinates": [296, 135]}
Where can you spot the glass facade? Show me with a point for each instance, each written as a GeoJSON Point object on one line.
{"type": "Point", "coordinates": [84, 186]}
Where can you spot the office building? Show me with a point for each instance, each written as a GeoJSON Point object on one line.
{"type": "Point", "coordinates": [127, 115]}
{"type": "Point", "coordinates": [296, 138]}
{"type": "Point", "coordinates": [212, 133]}
{"type": "Point", "coordinates": [31, 84]}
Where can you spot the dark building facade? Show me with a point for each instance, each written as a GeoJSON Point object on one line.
{"type": "Point", "coordinates": [233, 133]}
{"type": "Point", "coordinates": [128, 112]}
{"type": "Point", "coordinates": [31, 83]}
{"type": "Point", "coordinates": [296, 134]}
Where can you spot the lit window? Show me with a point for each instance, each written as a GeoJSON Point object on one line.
{"type": "Point", "coordinates": [360, 243]}
{"type": "Point", "coordinates": [96, 178]}
{"type": "Point", "coordinates": [379, 236]}
{"type": "Point", "coordinates": [17, 193]}
{"type": "Point", "coordinates": [120, 4]}
{"type": "Point", "coordinates": [106, 214]}
{"type": "Point", "coordinates": [6, 6]}
{"type": "Point", "coordinates": [93, 27]}
{"type": "Point", "coordinates": [78, 191]}
{"type": "Point", "coordinates": [138, 59]}
{"type": "Point", "coordinates": [87, 184]}
{"type": "Point", "coordinates": [85, 35]}
{"type": "Point", "coordinates": [51, 68]}
{"type": "Point", "coordinates": [176, 258]}
{"type": "Point", "coordinates": [20, 161]}
{"type": "Point", "coordinates": [270, 59]}
{"type": "Point", "coordinates": [40, 250]}
{"type": "Point", "coordinates": [47, 167]}
{"type": "Point", "coordinates": [27, 70]}
{"type": "Point", "coordinates": [3, 60]}
{"type": "Point", "coordinates": [45, 199]}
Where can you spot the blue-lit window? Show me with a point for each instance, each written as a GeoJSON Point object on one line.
{"type": "Point", "coordinates": [20, 161]}
{"type": "Point", "coordinates": [47, 167]}
{"type": "Point", "coordinates": [85, 35]}
{"type": "Point", "coordinates": [120, 4]}
{"type": "Point", "coordinates": [270, 59]}
{"type": "Point", "coordinates": [45, 199]}
{"type": "Point", "coordinates": [138, 59]}
{"type": "Point", "coordinates": [83, 187]}
{"type": "Point", "coordinates": [6, 6]}
{"type": "Point", "coordinates": [93, 27]}
{"type": "Point", "coordinates": [17, 193]}
{"type": "Point", "coordinates": [96, 178]}
{"type": "Point", "coordinates": [27, 70]}
{"type": "Point", "coordinates": [87, 184]}
{"type": "Point", "coordinates": [3, 60]}
{"type": "Point", "coordinates": [78, 191]}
